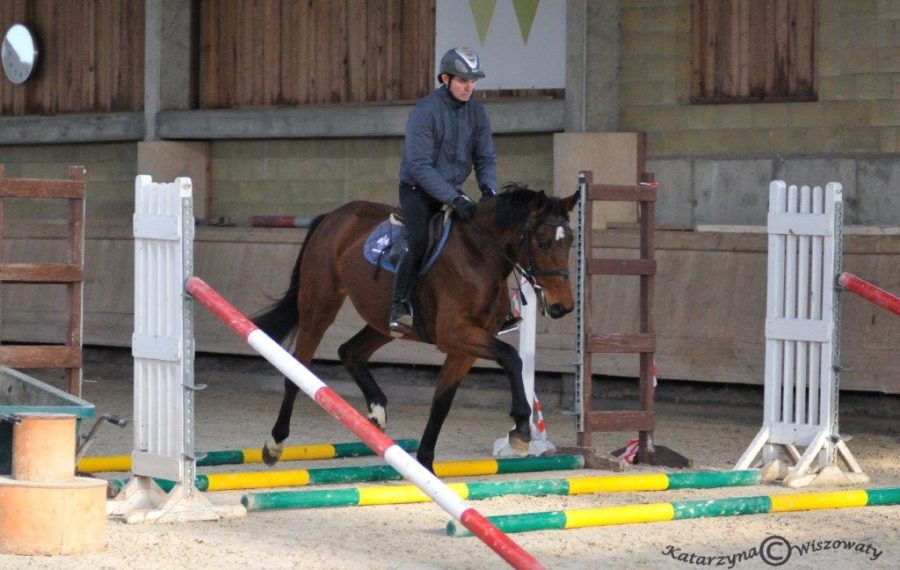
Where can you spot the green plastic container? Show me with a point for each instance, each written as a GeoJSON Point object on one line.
{"type": "Point", "coordinates": [22, 394]}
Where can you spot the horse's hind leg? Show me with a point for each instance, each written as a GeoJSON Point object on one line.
{"type": "Point", "coordinates": [316, 315]}
{"type": "Point", "coordinates": [452, 372]}
{"type": "Point", "coordinates": [355, 354]}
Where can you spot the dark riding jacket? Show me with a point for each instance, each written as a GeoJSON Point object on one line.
{"type": "Point", "coordinates": [444, 139]}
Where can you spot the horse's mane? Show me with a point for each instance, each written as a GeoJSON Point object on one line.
{"type": "Point", "coordinates": [515, 202]}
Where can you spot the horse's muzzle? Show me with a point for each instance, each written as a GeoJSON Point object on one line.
{"type": "Point", "coordinates": [557, 310]}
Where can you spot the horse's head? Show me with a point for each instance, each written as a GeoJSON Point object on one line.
{"type": "Point", "coordinates": [543, 247]}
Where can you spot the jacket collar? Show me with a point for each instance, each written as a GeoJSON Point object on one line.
{"type": "Point", "coordinates": [448, 99]}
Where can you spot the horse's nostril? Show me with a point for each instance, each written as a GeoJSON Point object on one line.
{"type": "Point", "coordinates": [558, 310]}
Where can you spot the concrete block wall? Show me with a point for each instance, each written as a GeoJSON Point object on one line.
{"type": "Point", "coordinates": [299, 177]}
{"type": "Point", "coordinates": [110, 169]}
{"type": "Point", "coordinates": [276, 177]}
{"type": "Point", "coordinates": [714, 162]}
{"type": "Point", "coordinates": [309, 177]}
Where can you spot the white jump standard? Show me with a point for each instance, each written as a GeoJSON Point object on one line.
{"type": "Point", "coordinates": [162, 346]}
{"type": "Point", "coordinates": [803, 340]}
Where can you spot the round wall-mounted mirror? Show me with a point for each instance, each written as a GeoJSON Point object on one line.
{"type": "Point", "coordinates": [19, 54]}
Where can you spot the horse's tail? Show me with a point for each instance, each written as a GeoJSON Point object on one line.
{"type": "Point", "coordinates": [282, 317]}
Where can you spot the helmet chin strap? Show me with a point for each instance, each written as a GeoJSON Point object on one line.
{"type": "Point", "coordinates": [450, 93]}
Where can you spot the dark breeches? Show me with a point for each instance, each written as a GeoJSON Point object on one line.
{"type": "Point", "coordinates": [417, 207]}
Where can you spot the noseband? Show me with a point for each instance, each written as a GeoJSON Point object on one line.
{"type": "Point", "coordinates": [531, 272]}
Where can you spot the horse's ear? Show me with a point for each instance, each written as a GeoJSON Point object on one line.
{"type": "Point", "coordinates": [570, 202]}
{"type": "Point", "coordinates": [542, 201]}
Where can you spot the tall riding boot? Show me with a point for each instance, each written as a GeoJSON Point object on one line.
{"type": "Point", "coordinates": [400, 321]}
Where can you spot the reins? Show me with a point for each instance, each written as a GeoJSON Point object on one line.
{"type": "Point", "coordinates": [517, 268]}
{"type": "Point", "coordinates": [530, 273]}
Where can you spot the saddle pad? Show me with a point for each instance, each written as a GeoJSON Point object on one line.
{"type": "Point", "coordinates": [378, 249]}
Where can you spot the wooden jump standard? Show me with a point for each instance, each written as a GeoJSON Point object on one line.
{"type": "Point", "coordinates": [70, 273]}
{"type": "Point", "coordinates": [642, 342]}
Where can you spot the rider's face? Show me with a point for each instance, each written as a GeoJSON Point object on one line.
{"type": "Point", "coordinates": [460, 88]}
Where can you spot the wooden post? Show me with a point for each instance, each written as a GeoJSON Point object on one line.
{"type": "Point", "coordinates": [75, 289]}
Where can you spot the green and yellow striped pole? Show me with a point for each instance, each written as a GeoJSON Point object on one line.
{"type": "Point", "coordinates": [120, 463]}
{"type": "Point", "coordinates": [357, 474]}
{"type": "Point", "coordinates": [405, 494]}
{"type": "Point", "coordinates": [661, 512]}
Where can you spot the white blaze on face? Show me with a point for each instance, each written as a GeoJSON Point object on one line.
{"type": "Point", "coordinates": [560, 233]}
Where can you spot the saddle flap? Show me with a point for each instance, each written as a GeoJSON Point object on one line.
{"type": "Point", "coordinates": [382, 247]}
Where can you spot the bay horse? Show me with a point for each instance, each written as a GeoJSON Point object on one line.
{"type": "Point", "coordinates": [460, 303]}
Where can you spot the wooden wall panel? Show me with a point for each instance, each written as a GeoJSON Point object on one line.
{"type": "Point", "coordinates": [91, 57]}
{"type": "Point", "coordinates": [743, 50]}
{"type": "Point", "coordinates": [292, 52]}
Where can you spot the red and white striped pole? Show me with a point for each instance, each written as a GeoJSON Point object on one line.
{"type": "Point", "coordinates": [870, 292]}
{"type": "Point", "coordinates": [381, 444]}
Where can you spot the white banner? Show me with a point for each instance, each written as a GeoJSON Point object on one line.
{"type": "Point", "coordinates": [522, 43]}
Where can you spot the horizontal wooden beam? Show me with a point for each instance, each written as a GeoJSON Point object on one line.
{"type": "Point", "coordinates": [40, 273]}
{"type": "Point", "coordinates": [621, 267]}
{"type": "Point", "coordinates": [313, 121]}
{"type": "Point", "coordinates": [32, 188]}
{"type": "Point", "coordinates": [614, 193]}
{"type": "Point", "coordinates": [627, 420]}
{"type": "Point", "coordinates": [621, 343]}
{"type": "Point", "coordinates": [29, 356]}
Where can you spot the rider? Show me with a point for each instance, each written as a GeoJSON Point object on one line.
{"type": "Point", "coordinates": [446, 134]}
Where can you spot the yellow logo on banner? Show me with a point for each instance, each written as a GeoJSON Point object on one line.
{"type": "Point", "coordinates": [525, 12]}
{"type": "Point", "coordinates": [483, 12]}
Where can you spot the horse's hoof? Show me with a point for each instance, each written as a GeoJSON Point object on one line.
{"type": "Point", "coordinates": [378, 416]}
{"type": "Point", "coordinates": [519, 443]}
{"type": "Point", "coordinates": [271, 452]}
{"type": "Point", "coordinates": [427, 461]}
{"type": "Point", "coordinates": [374, 422]}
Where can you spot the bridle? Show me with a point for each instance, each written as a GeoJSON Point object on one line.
{"type": "Point", "coordinates": [530, 272]}
{"type": "Point", "coordinates": [532, 268]}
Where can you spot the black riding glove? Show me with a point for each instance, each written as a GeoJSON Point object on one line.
{"type": "Point", "coordinates": [487, 192]}
{"type": "Point", "coordinates": [464, 206]}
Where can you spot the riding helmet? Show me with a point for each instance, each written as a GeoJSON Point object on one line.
{"type": "Point", "coordinates": [461, 62]}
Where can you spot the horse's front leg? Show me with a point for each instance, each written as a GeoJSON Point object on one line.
{"type": "Point", "coordinates": [271, 451]}
{"type": "Point", "coordinates": [452, 372]}
{"type": "Point", "coordinates": [508, 359]}
{"type": "Point", "coordinates": [355, 355]}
